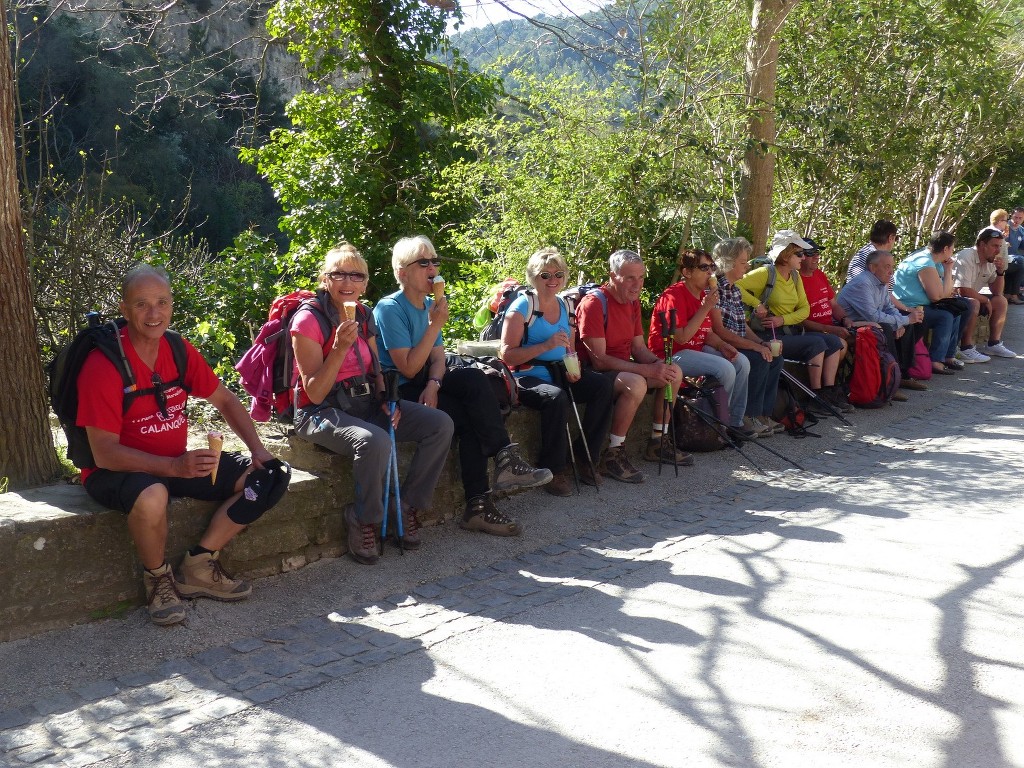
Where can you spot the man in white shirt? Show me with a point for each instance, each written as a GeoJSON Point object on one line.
{"type": "Point", "coordinates": [974, 269]}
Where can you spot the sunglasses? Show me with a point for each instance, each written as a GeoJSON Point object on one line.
{"type": "Point", "coordinates": [425, 263]}
{"type": "Point", "coordinates": [705, 267]}
{"type": "Point", "coordinates": [159, 395]}
{"type": "Point", "coordinates": [355, 277]}
{"type": "Point", "coordinates": [549, 275]}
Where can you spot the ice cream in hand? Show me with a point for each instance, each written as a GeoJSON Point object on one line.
{"type": "Point", "coordinates": [350, 310]}
{"type": "Point", "coordinates": [438, 286]}
{"type": "Point", "coordinates": [216, 444]}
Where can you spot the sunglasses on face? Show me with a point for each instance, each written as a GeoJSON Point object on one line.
{"type": "Point", "coordinates": [427, 263]}
{"type": "Point", "coordinates": [355, 277]}
{"type": "Point", "coordinates": [549, 275]}
{"type": "Point", "coordinates": [705, 267]}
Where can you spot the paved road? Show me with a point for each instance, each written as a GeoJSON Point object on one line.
{"type": "Point", "coordinates": [865, 612]}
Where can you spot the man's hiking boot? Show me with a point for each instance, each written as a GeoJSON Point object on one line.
{"type": "Point", "coordinates": [512, 472]}
{"type": "Point", "coordinates": [615, 464]}
{"type": "Point", "coordinates": [202, 575]}
{"type": "Point", "coordinates": [481, 515]}
{"type": "Point", "coordinates": [561, 483]}
{"type": "Point", "coordinates": [165, 606]}
{"type": "Point", "coordinates": [362, 538]}
{"type": "Point", "coordinates": [410, 528]}
{"type": "Point", "coordinates": [662, 450]}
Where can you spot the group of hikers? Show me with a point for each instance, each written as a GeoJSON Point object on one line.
{"type": "Point", "coordinates": [366, 379]}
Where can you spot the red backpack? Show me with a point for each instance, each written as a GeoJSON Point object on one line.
{"type": "Point", "coordinates": [876, 375]}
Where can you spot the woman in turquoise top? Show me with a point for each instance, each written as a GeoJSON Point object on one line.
{"type": "Point", "coordinates": [535, 338]}
{"type": "Point", "coordinates": [922, 279]}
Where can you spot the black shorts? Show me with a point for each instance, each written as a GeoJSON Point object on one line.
{"type": "Point", "coordinates": [120, 490]}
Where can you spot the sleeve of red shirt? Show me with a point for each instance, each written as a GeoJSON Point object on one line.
{"type": "Point", "coordinates": [590, 318]}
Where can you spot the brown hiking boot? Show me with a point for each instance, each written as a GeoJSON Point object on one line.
{"type": "Point", "coordinates": [165, 606]}
{"type": "Point", "coordinates": [512, 472]}
{"type": "Point", "coordinates": [666, 453]}
{"type": "Point", "coordinates": [410, 528]}
{"type": "Point", "coordinates": [362, 538]}
{"type": "Point", "coordinates": [561, 484]}
{"type": "Point", "coordinates": [615, 464]}
{"type": "Point", "coordinates": [481, 515]}
{"type": "Point", "coordinates": [203, 576]}
{"type": "Point", "coordinates": [588, 476]}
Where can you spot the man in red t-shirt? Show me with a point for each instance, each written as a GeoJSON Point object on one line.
{"type": "Point", "coordinates": [826, 315]}
{"type": "Point", "coordinates": [614, 345]}
{"type": "Point", "coordinates": [141, 456]}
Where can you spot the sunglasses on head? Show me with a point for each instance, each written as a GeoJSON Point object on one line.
{"type": "Point", "coordinates": [549, 275]}
{"type": "Point", "coordinates": [427, 262]}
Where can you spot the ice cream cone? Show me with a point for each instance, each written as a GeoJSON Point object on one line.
{"type": "Point", "coordinates": [438, 286]}
{"type": "Point", "coordinates": [713, 283]}
{"type": "Point", "coordinates": [350, 310]}
{"type": "Point", "coordinates": [216, 444]}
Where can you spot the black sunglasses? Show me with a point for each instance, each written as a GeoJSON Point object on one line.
{"type": "Point", "coordinates": [548, 275]}
{"type": "Point", "coordinates": [705, 267]}
{"type": "Point", "coordinates": [426, 263]}
{"type": "Point", "coordinates": [160, 396]}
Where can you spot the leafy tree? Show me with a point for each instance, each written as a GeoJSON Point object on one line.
{"type": "Point", "coordinates": [375, 127]}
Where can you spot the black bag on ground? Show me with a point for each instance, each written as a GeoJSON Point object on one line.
{"type": "Point", "coordinates": [790, 414]}
{"type": "Point", "coordinates": [694, 434]}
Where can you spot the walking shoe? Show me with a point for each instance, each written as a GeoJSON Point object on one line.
{"type": "Point", "coordinates": [761, 427]}
{"type": "Point", "coordinates": [740, 433]}
{"type": "Point", "coordinates": [481, 515]}
{"type": "Point", "coordinates": [203, 576]}
{"type": "Point", "coordinates": [561, 483]}
{"type": "Point", "coordinates": [971, 355]}
{"type": "Point", "coordinates": [819, 408]}
{"type": "Point", "coordinates": [837, 397]}
{"type": "Point", "coordinates": [666, 453]}
{"type": "Point", "coordinates": [410, 529]}
{"type": "Point", "coordinates": [899, 397]}
{"type": "Point", "coordinates": [615, 464]}
{"type": "Point", "coordinates": [998, 350]}
{"type": "Point", "coordinates": [362, 538]}
{"type": "Point", "coordinates": [165, 606]}
{"type": "Point", "coordinates": [920, 386]}
{"type": "Point", "coordinates": [588, 476]}
{"type": "Point", "coordinates": [953, 364]}
{"type": "Point", "coordinates": [511, 471]}
{"type": "Point", "coordinates": [777, 428]}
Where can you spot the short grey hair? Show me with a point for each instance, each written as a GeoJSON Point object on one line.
{"type": "Point", "coordinates": [410, 249]}
{"type": "Point", "coordinates": [727, 251]}
{"type": "Point", "coordinates": [621, 258]}
{"type": "Point", "coordinates": [139, 272]}
{"type": "Point", "coordinates": [875, 255]}
{"type": "Point", "coordinates": [541, 259]}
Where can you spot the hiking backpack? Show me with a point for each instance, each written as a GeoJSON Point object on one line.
{"type": "Point", "coordinates": [63, 372]}
{"type": "Point", "coordinates": [876, 375]}
{"type": "Point", "coordinates": [509, 293]}
{"type": "Point", "coordinates": [573, 296]}
{"type": "Point", "coordinates": [498, 374]}
{"type": "Point", "coordinates": [790, 414]}
{"type": "Point", "coordinates": [267, 369]}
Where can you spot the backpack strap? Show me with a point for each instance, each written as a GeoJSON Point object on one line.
{"type": "Point", "coordinates": [180, 354]}
{"type": "Point", "coordinates": [770, 285]}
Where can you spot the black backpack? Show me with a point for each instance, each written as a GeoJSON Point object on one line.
{"type": "Point", "coordinates": [790, 414]}
{"type": "Point", "coordinates": [492, 331]}
{"type": "Point", "coordinates": [63, 373]}
{"type": "Point", "coordinates": [506, 390]}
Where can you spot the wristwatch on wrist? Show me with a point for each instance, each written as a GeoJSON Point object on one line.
{"type": "Point", "coordinates": [1000, 274]}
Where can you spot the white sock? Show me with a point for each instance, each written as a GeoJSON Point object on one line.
{"type": "Point", "coordinates": [657, 430]}
{"type": "Point", "coordinates": [614, 441]}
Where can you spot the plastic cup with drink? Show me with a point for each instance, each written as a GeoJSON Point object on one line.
{"type": "Point", "coordinates": [571, 361]}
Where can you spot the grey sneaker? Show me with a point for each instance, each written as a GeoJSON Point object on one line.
{"type": "Point", "coordinates": [481, 515]}
{"type": "Point", "coordinates": [165, 606]}
{"type": "Point", "coordinates": [615, 464]}
{"type": "Point", "coordinates": [204, 576]}
{"type": "Point", "coordinates": [511, 472]}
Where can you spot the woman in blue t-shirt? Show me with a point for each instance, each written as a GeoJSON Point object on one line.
{"type": "Point", "coordinates": [535, 338]}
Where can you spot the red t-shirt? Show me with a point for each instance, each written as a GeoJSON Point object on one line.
{"type": "Point", "coordinates": [623, 325]}
{"type": "Point", "coordinates": [679, 298]}
{"type": "Point", "coordinates": [819, 296]}
{"type": "Point", "coordinates": [143, 427]}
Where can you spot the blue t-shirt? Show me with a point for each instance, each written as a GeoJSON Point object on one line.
{"type": "Point", "coordinates": [906, 283]}
{"type": "Point", "coordinates": [400, 325]}
{"type": "Point", "coordinates": [539, 332]}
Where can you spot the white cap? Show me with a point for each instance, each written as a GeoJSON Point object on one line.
{"type": "Point", "coordinates": [784, 238]}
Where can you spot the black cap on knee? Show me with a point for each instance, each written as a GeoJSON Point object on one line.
{"type": "Point", "coordinates": [262, 490]}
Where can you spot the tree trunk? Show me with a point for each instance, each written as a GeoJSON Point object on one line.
{"type": "Point", "coordinates": [26, 447]}
{"type": "Point", "coordinates": [758, 170]}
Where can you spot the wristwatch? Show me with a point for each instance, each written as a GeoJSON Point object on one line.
{"type": "Point", "coordinates": [1000, 274]}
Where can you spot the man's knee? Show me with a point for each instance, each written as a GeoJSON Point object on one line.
{"type": "Point", "coordinates": [631, 386]}
{"type": "Point", "coordinates": [151, 504]}
{"type": "Point", "coordinates": [998, 307]}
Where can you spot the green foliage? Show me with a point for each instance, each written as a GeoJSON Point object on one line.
{"type": "Point", "coordinates": [371, 135]}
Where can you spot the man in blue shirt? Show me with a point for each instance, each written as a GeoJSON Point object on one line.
{"type": "Point", "coordinates": [866, 300]}
{"type": "Point", "coordinates": [409, 324]}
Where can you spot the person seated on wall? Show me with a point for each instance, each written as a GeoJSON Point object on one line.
{"type": "Point", "coordinates": [729, 323]}
{"type": "Point", "coordinates": [536, 353]}
{"type": "Point", "coordinates": [611, 341]}
{"type": "Point", "coordinates": [779, 312]}
{"type": "Point", "coordinates": [409, 323]}
{"type": "Point", "coordinates": [141, 457]}
{"type": "Point", "coordinates": [825, 315]}
{"type": "Point", "coordinates": [925, 280]}
{"type": "Point", "coordinates": [866, 301]}
{"type": "Point", "coordinates": [1014, 278]}
{"type": "Point", "coordinates": [696, 348]}
{"type": "Point", "coordinates": [975, 269]}
{"type": "Point", "coordinates": [340, 406]}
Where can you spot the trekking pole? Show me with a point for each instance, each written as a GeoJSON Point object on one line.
{"type": "Point", "coordinates": [572, 458]}
{"type": "Point", "coordinates": [391, 397]}
{"type": "Point", "coordinates": [814, 395]}
{"type": "Point", "coordinates": [668, 333]}
{"type": "Point", "coordinates": [698, 392]}
{"type": "Point", "coordinates": [583, 439]}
